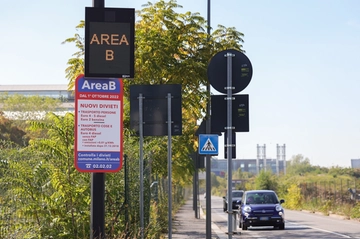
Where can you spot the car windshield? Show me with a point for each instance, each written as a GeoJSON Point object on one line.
{"type": "Point", "coordinates": [261, 198]}
{"type": "Point", "coordinates": [237, 194]}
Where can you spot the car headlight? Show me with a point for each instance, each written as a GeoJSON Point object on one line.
{"type": "Point", "coordinates": [247, 209]}
{"type": "Point", "coordinates": [278, 208]}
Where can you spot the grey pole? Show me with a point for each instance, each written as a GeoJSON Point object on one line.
{"type": "Point", "coordinates": [169, 166]}
{"type": "Point", "coordinates": [127, 201]}
{"type": "Point", "coordinates": [97, 210]}
{"type": "Point", "coordinates": [277, 159]}
{"type": "Point", "coordinates": [257, 158]}
{"type": "Point", "coordinates": [208, 157]}
{"type": "Point", "coordinates": [97, 220]}
{"type": "Point", "coordinates": [264, 155]}
{"type": "Point", "coordinates": [284, 159]}
{"type": "Point", "coordinates": [141, 135]}
{"type": "Point", "coordinates": [229, 145]}
{"type": "Point", "coordinates": [99, 3]}
{"type": "Point", "coordinates": [196, 193]}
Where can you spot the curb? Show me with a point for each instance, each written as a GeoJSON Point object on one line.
{"type": "Point", "coordinates": [218, 232]}
{"type": "Point", "coordinates": [338, 216]}
{"type": "Point", "coordinates": [341, 217]}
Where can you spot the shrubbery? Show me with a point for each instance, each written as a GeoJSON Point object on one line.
{"type": "Point", "coordinates": [293, 198]}
{"type": "Point", "coordinates": [355, 213]}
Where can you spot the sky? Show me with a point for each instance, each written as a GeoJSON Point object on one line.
{"type": "Point", "coordinates": [305, 54]}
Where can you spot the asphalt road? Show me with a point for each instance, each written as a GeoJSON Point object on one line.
{"type": "Point", "coordinates": [297, 225]}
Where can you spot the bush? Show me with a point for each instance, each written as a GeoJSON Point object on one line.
{"type": "Point", "coordinates": [266, 180]}
{"type": "Point", "coordinates": [293, 197]}
{"type": "Point", "coordinates": [355, 213]}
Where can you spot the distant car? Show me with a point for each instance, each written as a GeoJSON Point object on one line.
{"type": "Point", "coordinates": [204, 195]}
{"type": "Point", "coordinates": [236, 196]}
{"type": "Point", "coordinates": [261, 208]}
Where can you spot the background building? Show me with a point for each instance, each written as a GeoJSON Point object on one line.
{"type": "Point", "coordinates": [55, 91]}
{"type": "Point", "coordinates": [355, 163]}
{"type": "Point", "coordinates": [219, 166]}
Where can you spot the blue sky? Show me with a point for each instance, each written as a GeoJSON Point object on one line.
{"type": "Point", "coordinates": [305, 56]}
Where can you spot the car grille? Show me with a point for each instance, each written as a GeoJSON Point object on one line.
{"type": "Point", "coordinates": [264, 212]}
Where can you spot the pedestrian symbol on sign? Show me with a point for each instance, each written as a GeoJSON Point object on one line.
{"type": "Point", "coordinates": [208, 144]}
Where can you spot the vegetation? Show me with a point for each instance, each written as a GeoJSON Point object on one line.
{"type": "Point", "coordinates": [32, 107]}
{"type": "Point", "coordinates": [10, 134]}
{"type": "Point", "coordinates": [305, 187]}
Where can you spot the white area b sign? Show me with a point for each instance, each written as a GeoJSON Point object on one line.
{"type": "Point", "coordinates": [98, 124]}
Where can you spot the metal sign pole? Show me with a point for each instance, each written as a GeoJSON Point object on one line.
{"type": "Point", "coordinates": [141, 135]}
{"type": "Point", "coordinates": [97, 220]}
{"type": "Point", "coordinates": [229, 145]}
{"type": "Point", "coordinates": [169, 166]}
{"type": "Point", "coordinates": [216, 76]}
{"type": "Point", "coordinates": [208, 131]}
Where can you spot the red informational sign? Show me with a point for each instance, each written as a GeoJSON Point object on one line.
{"type": "Point", "coordinates": [98, 124]}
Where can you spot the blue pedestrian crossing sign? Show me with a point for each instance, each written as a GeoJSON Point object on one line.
{"type": "Point", "coordinates": [209, 144]}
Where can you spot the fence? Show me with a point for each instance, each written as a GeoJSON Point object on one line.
{"type": "Point", "coordinates": [338, 191]}
{"type": "Point", "coordinates": [11, 221]}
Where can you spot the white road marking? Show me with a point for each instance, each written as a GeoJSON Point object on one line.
{"type": "Point", "coordinates": [219, 233]}
{"type": "Point", "coordinates": [323, 230]}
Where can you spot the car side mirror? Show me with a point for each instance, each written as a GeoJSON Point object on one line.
{"type": "Point", "coordinates": [282, 201]}
{"type": "Point", "coordinates": [224, 197]}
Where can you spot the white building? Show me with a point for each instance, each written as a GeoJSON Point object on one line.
{"type": "Point", "coordinates": [59, 91]}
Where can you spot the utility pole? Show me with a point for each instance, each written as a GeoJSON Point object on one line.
{"type": "Point", "coordinates": [208, 157]}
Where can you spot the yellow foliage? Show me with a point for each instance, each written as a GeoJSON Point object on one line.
{"type": "Point", "coordinates": [293, 197]}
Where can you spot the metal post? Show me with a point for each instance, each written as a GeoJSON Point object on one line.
{"type": "Point", "coordinates": [127, 201]}
{"type": "Point", "coordinates": [257, 158]}
{"type": "Point", "coordinates": [264, 155]}
{"type": "Point", "coordinates": [284, 158]}
{"type": "Point", "coordinates": [234, 215]}
{"type": "Point", "coordinates": [229, 128]}
{"type": "Point", "coordinates": [277, 159]}
{"type": "Point", "coordinates": [97, 218]}
{"type": "Point", "coordinates": [99, 3]}
{"type": "Point", "coordinates": [196, 198]}
{"type": "Point", "coordinates": [208, 157]}
{"type": "Point", "coordinates": [194, 193]}
{"type": "Point", "coordinates": [97, 206]}
{"type": "Point", "coordinates": [141, 165]}
{"type": "Point", "coordinates": [169, 166]}
{"type": "Point", "coordinates": [341, 192]}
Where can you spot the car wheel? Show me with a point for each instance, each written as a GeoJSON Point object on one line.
{"type": "Point", "coordinates": [225, 207]}
{"type": "Point", "coordinates": [282, 226]}
{"type": "Point", "coordinates": [243, 227]}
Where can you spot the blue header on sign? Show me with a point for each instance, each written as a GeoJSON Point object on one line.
{"type": "Point", "coordinates": [98, 85]}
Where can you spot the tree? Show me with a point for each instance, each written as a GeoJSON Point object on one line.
{"type": "Point", "coordinates": [11, 135]}
{"type": "Point", "coordinates": [299, 165]}
{"type": "Point", "coordinates": [76, 63]}
{"type": "Point", "coordinates": [42, 186]}
{"type": "Point", "coordinates": [265, 180]}
{"type": "Point", "coordinates": [171, 48]}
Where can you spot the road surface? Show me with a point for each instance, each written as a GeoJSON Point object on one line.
{"type": "Point", "coordinates": [297, 225]}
